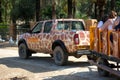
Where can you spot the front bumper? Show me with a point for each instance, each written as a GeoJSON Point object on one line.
{"type": "Point", "coordinates": [83, 52]}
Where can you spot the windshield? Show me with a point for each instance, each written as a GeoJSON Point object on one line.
{"type": "Point", "coordinates": [70, 25]}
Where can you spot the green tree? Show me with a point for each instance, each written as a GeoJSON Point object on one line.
{"type": "Point", "coordinates": [53, 9]}
{"type": "Point", "coordinates": [5, 10]}
{"type": "Point", "coordinates": [113, 4]}
{"type": "Point", "coordinates": [117, 6]}
{"type": "Point", "coordinates": [37, 10]}
{"type": "Point", "coordinates": [74, 8]}
{"type": "Point", "coordinates": [13, 21]}
{"type": "Point", "coordinates": [0, 12]}
{"type": "Point", "coordinates": [61, 9]}
{"type": "Point", "coordinates": [101, 4]}
{"type": "Point", "coordinates": [70, 9]}
{"type": "Point", "coordinates": [23, 10]}
{"type": "Point", "coordinates": [82, 9]}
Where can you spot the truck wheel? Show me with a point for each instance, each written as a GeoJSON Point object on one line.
{"type": "Point", "coordinates": [101, 71]}
{"type": "Point", "coordinates": [60, 57]}
{"type": "Point", "coordinates": [51, 55]}
{"type": "Point", "coordinates": [23, 51]}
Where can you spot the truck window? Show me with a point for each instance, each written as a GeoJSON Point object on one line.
{"type": "Point", "coordinates": [70, 25]}
{"type": "Point", "coordinates": [47, 27]}
{"type": "Point", "coordinates": [77, 25]}
{"type": "Point", "coordinates": [37, 28]}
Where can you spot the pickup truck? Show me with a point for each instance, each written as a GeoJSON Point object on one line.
{"type": "Point", "coordinates": [59, 37]}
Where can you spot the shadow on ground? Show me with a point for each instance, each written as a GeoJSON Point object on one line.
{"type": "Point", "coordinates": [39, 64]}
{"type": "Point", "coordinates": [81, 76]}
{"type": "Point", "coordinates": [46, 64]}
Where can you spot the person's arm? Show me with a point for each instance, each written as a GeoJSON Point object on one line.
{"type": "Point", "coordinates": [105, 25]}
{"type": "Point", "coordinates": [117, 21]}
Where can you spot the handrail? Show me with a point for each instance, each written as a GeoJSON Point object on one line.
{"type": "Point", "coordinates": [100, 41]}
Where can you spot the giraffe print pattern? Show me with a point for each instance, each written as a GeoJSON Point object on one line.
{"type": "Point", "coordinates": [42, 42]}
{"type": "Point", "coordinates": [115, 47]}
{"type": "Point", "coordinates": [105, 40]}
{"type": "Point", "coordinates": [116, 42]}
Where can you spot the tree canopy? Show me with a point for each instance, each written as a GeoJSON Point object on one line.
{"type": "Point", "coordinates": [27, 10]}
{"type": "Point", "coordinates": [44, 9]}
{"type": "Point", "coordinates": [23, 10]}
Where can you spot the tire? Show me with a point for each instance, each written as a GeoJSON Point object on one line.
{"type": "Point", "coordinates": [60, 56]}
{"type": "Point", "coordinates": [24, 53]}
{"type": "Point", "coordinates": [101, 71]}
{"type": "Point", "coordinates": [51, 55]}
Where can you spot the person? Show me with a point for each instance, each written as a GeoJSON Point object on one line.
{"type": "Point", "coordinates": [101, 22]}
{"type": "Point", "coordinates": [116, 25]}
{"type": "Point", "coordinates": [108, 25]}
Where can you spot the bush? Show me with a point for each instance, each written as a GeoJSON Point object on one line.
{"type": "Point", "coordinates": [4, 30]}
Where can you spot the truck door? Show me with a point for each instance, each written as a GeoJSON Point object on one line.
{"type": "Point", "coordinates": [34, 39]}
{"type": "Point", "coordinates": [47, 42]}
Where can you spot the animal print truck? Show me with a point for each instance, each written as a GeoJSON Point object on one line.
{"type": "Point", "coordinates": [60, 38]}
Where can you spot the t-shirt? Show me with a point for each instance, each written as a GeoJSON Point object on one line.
{"type": "Point", "coordinates": [110, 26]}
{"type": "Point", "coordinates": [100, 23]}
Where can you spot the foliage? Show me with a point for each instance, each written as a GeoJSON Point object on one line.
{"type": "Point", "coordinates": [82, 9]}
{"type": "Point", "coordinates": [4, 30]}
{"type": "Point", "coordinates": [5, 9]}
{"type": "Point", "coordinates": [23, 10]}
{"type": "Point", "coordinates": [47, 12]}
{"type": "Point", "coordinates": [118, 6]}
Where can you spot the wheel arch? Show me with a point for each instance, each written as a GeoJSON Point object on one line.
{"type": "Point", "coordinates": [22, 41]}
{"type": "Point", "coordinates": [59, 43]}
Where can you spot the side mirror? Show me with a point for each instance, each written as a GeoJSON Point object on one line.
{"type": "Point", "coordinates": [30, 31]}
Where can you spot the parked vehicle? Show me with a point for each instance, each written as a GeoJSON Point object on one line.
{"type": "Point", "coordinates": [1, 40]}
{"type": "Point", "coordinates": [60, 38]}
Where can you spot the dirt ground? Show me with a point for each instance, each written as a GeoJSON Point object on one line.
{"type": "Point", "coordinates": [41, 67]}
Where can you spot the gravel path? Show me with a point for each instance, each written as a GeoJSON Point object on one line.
{"type": "Point", "coordinates": [42, 67]}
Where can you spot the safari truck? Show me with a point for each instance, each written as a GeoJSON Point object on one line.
{"type": "Point", "coordinates": [60, 38]}
{"type": "Point", "coordinates": [105, 54]}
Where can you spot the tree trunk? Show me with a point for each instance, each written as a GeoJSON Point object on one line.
{"type": "Point", "coordinates": [95, 10]}
{"type": "Point", "coordinates": [53, 9]}
{"type": "Point", "coordinates": [37, 10]}
{"type": "Point", "coordinates": [101, 4]}
{"type": "Point", "coordinates": [113, 4]}
{"type": "Point", "coordinates": [13, 32]}
{"type": "Point", "coordinates": [12, 29]}
{"type": "Point", "coordinates": [0, 12]}
{"type": "Point", "coordinates": [74, 8]}
{"type": "Point", "coordinates": [70, 9]}
{"type": "Point", "coordinates": [101, 12]}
